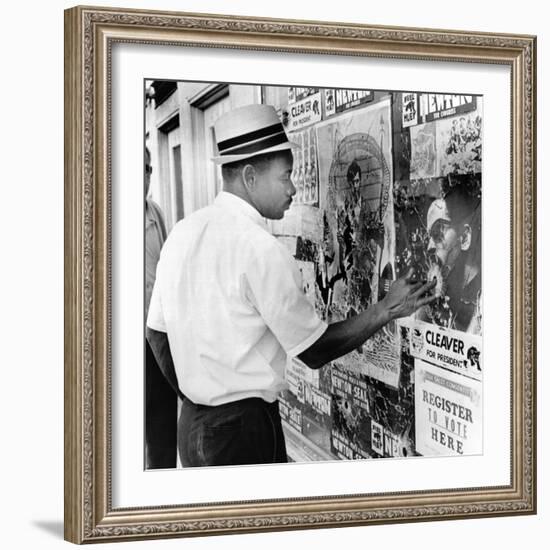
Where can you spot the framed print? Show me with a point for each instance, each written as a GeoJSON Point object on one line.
{"type": "Point", "coordinates": [406, 214]}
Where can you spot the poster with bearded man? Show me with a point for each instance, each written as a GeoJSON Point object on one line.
{"type": "Point", "coordinates": [438, 234]}
{"type": "Point", "coordinates": [438, 217]}
{"type": "Point", "coordinates": [453, 223]}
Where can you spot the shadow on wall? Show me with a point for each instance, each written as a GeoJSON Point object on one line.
{"type": "Point", "coordinates": [52, 527]}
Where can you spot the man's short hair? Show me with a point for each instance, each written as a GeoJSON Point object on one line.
{"type": "Point", "coordinates": [462, 197]}
{"type": "Point", "coordinates": [260, 162]}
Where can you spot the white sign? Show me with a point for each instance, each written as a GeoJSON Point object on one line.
{"type": "Point", "coordinates": [377, 437]}
{"type": "Point", "coordinates": [305, 112]}
{"type": "Point", "coordinates": [410, 109]}
{"type": "Point", "coordinates": [452, 349]}
{"type": "Point", "coordinates": [448, 412]}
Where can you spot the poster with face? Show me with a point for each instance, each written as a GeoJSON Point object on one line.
{"type": "Point", "coordinates": [438, 215]}
{"type": "Point", "coordinates": [357, 254]}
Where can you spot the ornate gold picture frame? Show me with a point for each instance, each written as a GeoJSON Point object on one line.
{"type": "Point", "coordinates": [90, 35]}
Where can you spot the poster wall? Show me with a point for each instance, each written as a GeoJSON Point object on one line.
{"type": "Point", "coordinates": [359, 229]}
{"type": "Point", "coordinates": [386, 182]}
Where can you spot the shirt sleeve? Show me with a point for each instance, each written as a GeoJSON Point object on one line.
{"type": "Point", "coordinates": [275, 289]}
{"type": "Point", "coordinates": [155, 317]}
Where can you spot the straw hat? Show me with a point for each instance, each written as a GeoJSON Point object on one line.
{"type": "Point", "coordinates": [249, 131]}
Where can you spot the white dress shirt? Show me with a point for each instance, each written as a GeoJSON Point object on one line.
{"type": "Point", "coordinates": [229, 296]}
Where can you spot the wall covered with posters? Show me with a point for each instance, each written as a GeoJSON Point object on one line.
{"type": "Point", "coordinates": [387, 181]}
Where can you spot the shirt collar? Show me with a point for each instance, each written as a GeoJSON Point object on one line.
{"type": "Point", "coordinates": [231, 202]}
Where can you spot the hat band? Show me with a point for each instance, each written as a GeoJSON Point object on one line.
{"type": "Point", "coordinates": [257, 146]}
{"type": "Point", "coordinates": [244, 139]}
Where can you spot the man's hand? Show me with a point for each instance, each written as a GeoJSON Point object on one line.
{"type": "Point", "coordinates": [406, 296]}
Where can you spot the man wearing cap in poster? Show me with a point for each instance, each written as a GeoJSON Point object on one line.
{"type": "Point", "coordinates": [228, 307]}
{"type": "Point", "coordinates": [454, 255]}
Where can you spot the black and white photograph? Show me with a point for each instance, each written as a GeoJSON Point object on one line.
{"type": "Point", "coordinates": [312, 274]}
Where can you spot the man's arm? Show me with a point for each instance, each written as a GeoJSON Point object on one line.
{"type": "Point", "coordinates": [403, 299]}
{"type": "Point", "coordinates": [161, 350]}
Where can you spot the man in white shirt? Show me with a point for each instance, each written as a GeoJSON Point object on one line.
{"type": "Point", "coordinates": [228, 307]}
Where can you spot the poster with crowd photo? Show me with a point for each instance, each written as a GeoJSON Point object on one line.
{"type": "Point", "coordinates": [447, 146]}
{"type": "Point", "coordinates": [357, 253]}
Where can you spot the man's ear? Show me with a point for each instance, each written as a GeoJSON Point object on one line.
{"type": "Point", "coordinates": [248, 174]}
{"type": "Point", "coordinates": [466, 238]}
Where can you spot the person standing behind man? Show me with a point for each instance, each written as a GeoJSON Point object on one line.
{"type": "Point", "coordinates": [160, 397]}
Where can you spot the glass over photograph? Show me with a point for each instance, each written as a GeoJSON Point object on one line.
{"type": "Point", "coordinates": [312, 274]}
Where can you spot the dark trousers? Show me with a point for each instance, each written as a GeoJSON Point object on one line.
{"type": "Point", "coordinates": [248, 431]}
{"type": "Point", "coordinates": [161, 415]}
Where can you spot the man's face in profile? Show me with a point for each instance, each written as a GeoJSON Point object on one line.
{"type": "Point", "coordinates": [274, 188]}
